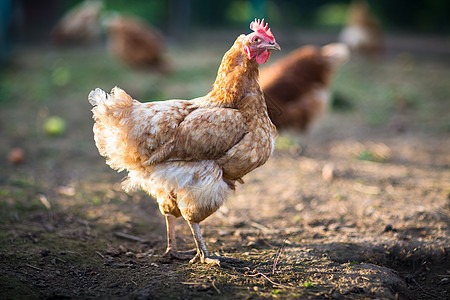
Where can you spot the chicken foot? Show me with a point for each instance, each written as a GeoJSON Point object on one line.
{"type": "Point", "coordinates": [202, 253]}
{"type": "Point", "coordinates": [172, 251]}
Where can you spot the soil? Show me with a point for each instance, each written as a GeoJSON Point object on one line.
{"type": "Point", "coordinates": [357, 208]}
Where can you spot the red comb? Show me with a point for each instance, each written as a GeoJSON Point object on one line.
{"type": "Point", "coordinates": [258, 26]}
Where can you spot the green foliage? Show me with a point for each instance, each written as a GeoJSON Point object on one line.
{"type": "Point", "coordinates": [60, 76]}
{"type": "Point", "coordinates": [308, 284]}
{"type": "Point", "coordinates": [367, 155]}
{"type": "Point", "coordinates": [341, 102]}
{"type": "Point", "coordinates": [154, 11]}
{"type": "Point", "coordinates": [8, 89]}
{"type": "Point", "coordinates": [426, 16]}
{"type": "Point", "coordinates": [287, 143]}
{"type": "Point", "coordinates": [333, 14]}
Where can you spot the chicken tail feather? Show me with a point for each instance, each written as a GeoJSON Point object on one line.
{"type": "Point", "coordinates": [111, 113]}
{"type": "Point", "coordinates": [117, 96]}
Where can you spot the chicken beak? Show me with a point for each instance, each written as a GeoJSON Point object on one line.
{"type": "Point", "coordinates": [273, 46]}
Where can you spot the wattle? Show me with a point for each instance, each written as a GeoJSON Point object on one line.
{"type": "Point", "coordinates": [263, 57]}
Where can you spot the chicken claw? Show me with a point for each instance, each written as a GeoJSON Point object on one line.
{"type": "Point", "coordinates": [182, 255]}
{"type": "Point", "coordinates": [211, 260]}
{"type": "Point", "coordinates": [202, 253]}
{"type": "Point", "coordinates": [215, 260]}
{"type": "Point", "coordinates": [172, 251]}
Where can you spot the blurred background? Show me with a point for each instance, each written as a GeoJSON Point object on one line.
{"type": "Point", "coordinates": [54, 52]}
{"type": "Point", "coordinates": [31, 21]}
{"type": "Point", "coordinates": [27, 21]}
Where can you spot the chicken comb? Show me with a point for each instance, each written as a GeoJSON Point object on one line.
{"type": "Point", "coordinates": [259, 27]}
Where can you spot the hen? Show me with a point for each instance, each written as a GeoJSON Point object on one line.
{"type": "Point", "coordinates": [136, 44]}
{"type": "Point", "coordinates": [80, 24]}
{"type": "Point", "coordinates": [363, 33]}
{"type": "Point", "coordinates": [189, 154]}
{"type": "Point", "coordinates": [296, 88]}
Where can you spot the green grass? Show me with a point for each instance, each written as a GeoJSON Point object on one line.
{"type": "Point", "coordinates": [380, 91]}
{"type": "Point", "coordinates": [308, 284]}
{"type": "Point", "coordinates": [367, 155]}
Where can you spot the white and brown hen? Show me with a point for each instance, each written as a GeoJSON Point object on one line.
{"type": "Point", "coordinates": [189, 154]}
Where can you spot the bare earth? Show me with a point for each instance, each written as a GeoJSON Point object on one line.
{"type": "Point", "coordinates": [357, 208]}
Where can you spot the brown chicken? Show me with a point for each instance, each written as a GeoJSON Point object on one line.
{"type": "Point", "coordinates": [296, 88]}
{"type": "Point", "coordinates": [136, 44]}
{"type": "Point", "coordinates": [190, 154]}
{"type": "Point", "coordinates": [363, 33]}
{"type": "Point", "coordinates": [80, 25]}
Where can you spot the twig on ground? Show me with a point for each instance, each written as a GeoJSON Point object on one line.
{"type": "Point", "coordinates": [130, 237]}
{"type": "Point", "coordinates": [269, 280]}
{"type": "Point", "coordinates": [61, 260]}
{"type": "Point", "coordinates": [214, 286]}
{"type": "Point", "coordinates": [191, 283]}
{"type": "Point", "coordinates": [277, 258]}
{"type": "Point", "coordinates": [260, 226]}
{"type": "Point", "coordinates": [101, 255]}
{"type": "Point", "coordinates": [33, 267]}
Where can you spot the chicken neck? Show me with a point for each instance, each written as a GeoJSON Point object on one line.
{"type": "Point", "coordinates": [237, 76]}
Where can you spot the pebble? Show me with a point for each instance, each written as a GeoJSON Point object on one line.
{"type": "Point", "coordinates": [388, 228]}
{"type": "Point", "coordinates": [45, 252]}
{"type": "Point", "coordinates": [328, 172]}
{"type": "Point", "coordinates": [16, 156]}
{"type": "Point", "coordinates": [335, 295]}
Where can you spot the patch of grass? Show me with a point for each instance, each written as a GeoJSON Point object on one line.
{"type": "Point", "coordinates": [382, 92]}
{"type": "Point", "coordinates": [331, 14]}
{"type": "Point", "coordinates": [341, 102]}
{"type": "Point", "coordinates": [366, 155]}
{"type": "Point", "coordinates": [340, 197]}
{"type": "Point", "coordinates": [308, 284]}
{"type": "Point", "coordinates": [22, 182]}
{"type": "Point", "coordinates": [354, 262]}
{"type": "Point", "coordinates": [8, 88]}
{"type": "Point", "coordinates": [96, 200]}
{"type": "Point", "coordinates": [287, 143]}
{"type": "Point", "coordinates": [30, 205]}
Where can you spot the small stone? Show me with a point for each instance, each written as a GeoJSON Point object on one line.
{"type": "Point", "coordinates": [16, 156]}
{"type": "Point", "coordinates": [388, 228]}
{"type": "Point", "coordinates": [328, 172]}
{"type": "Point", "coordinates": [335, 295]}
{"type": "Point", "coordinates": [45, 252]}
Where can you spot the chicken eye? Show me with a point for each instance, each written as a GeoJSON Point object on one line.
{"type": "Point", "coordinates": [256, 39]}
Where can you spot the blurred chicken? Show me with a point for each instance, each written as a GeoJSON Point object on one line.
{"type": "Point", "coordinates": [363, 33]}
{"type": "Point", "coordinates": [190, 154]}
{"type": "Point", "coordinates": [80, 25]}
{"type": "Point", "coordinates": [136, 44]}
{"type": "Point", "coordinates": [296, 88]}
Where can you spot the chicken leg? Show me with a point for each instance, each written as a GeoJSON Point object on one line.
{"type": "Point", "coordinates": [172, 251]}
{"type": "Point", "coordinates": [202, 253]}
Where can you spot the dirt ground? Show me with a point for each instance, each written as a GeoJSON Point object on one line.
{"type": "Point", "coordinates": [358, 208]}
